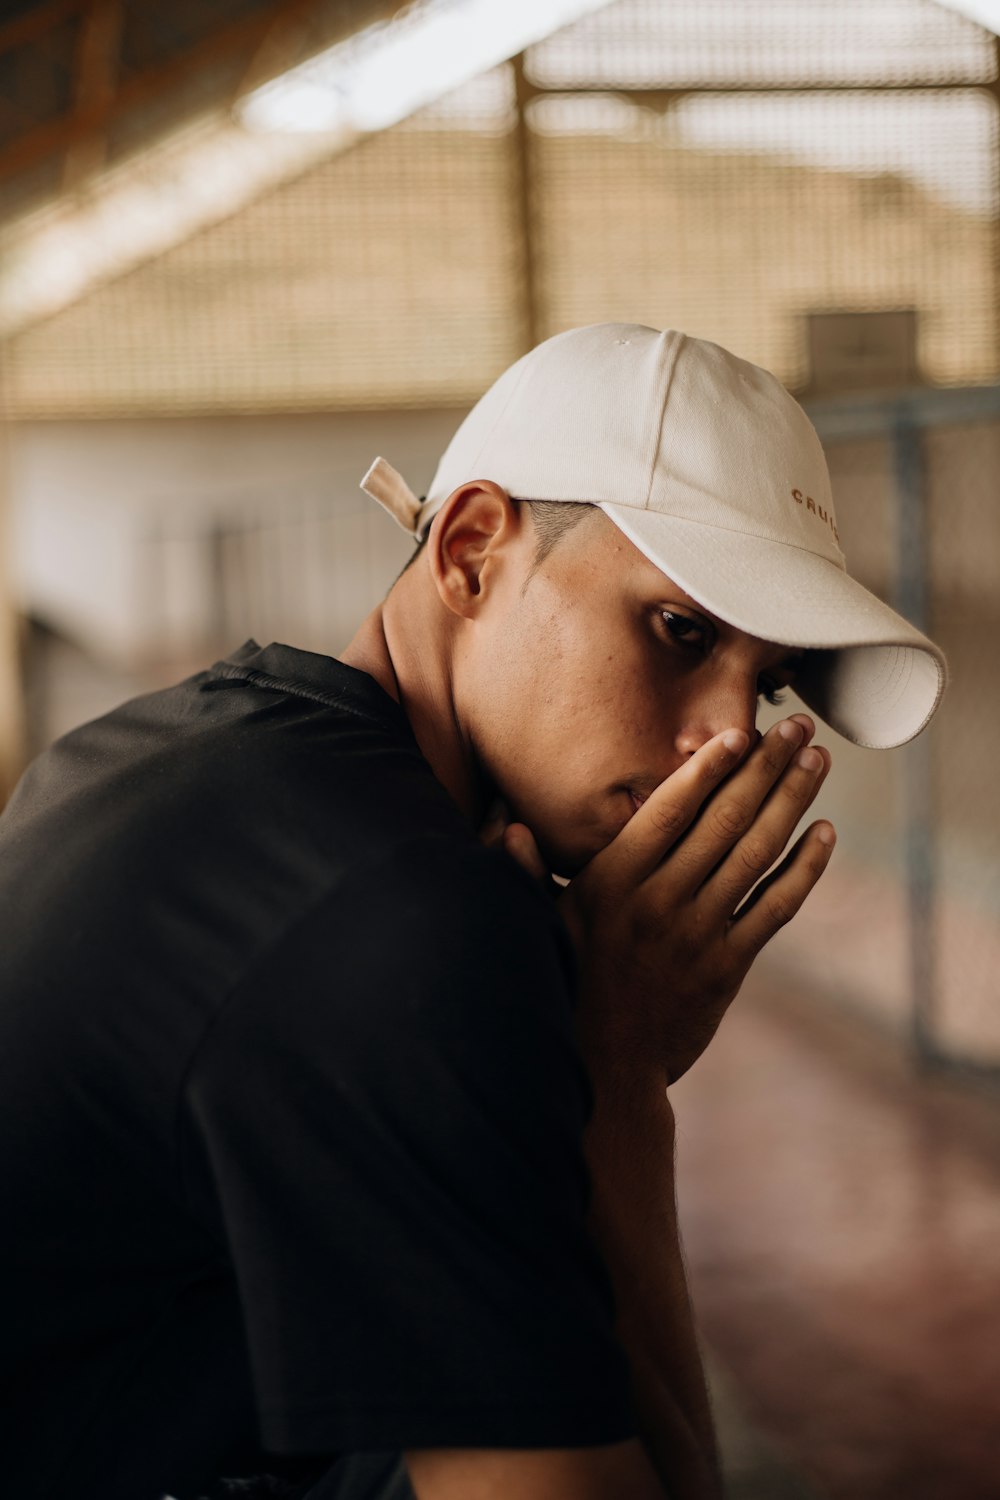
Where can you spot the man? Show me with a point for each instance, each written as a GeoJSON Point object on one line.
{"type": "Point", "coordinates": [336, 1148]}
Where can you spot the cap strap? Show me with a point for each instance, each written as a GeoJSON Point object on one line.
{"type": "Point", "coordinates": [391, 490]}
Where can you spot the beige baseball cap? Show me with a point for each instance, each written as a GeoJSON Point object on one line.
{"type": "Point", "coordinates": [716, 474]}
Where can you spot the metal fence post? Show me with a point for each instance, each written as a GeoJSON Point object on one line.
{"type": "Point", "coordinates": [913, 601]}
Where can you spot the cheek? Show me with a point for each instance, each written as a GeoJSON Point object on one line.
{"type": "Point", "coordinates": [550, 689]}
{"type": "Point", "coordinates": [565, 721]}
{"type": "Point", "coordinates": [529, 701]}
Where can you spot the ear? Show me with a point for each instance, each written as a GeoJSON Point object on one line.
{"type": "Point", "coordinates": [469, 537]}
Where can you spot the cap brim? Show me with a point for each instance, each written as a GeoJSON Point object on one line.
{"type": "Point", "coordinates": [874, 678]}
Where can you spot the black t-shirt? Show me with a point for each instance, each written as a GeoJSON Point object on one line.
{"type": "Point", "coordinates": [290, 1111]}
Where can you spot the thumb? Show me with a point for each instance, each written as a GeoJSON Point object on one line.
{"type": "Point", "coordinates": [519, 842]}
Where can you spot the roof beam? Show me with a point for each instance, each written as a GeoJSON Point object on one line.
{"type": "Point", "coordinates": [658, 98]}
{"type": "Point", "coordinates": [98, 52]}
{"type": "Point", "coordinates": [526, 209]}
{"type": "Point", "coordinates": [34, 23]}
{"type": "Point", "coordinates": [12, 712]}
{"type": "Point", "coordinates": [280, 46]}
{"type": "Point", "coordinates": [90, 118]}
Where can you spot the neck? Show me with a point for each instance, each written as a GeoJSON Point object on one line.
{"type": "Point", "coordinates": [407, 647]}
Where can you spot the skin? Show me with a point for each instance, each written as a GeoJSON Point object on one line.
{"type": "Point", "coordinates": [565, 689]}
{"type": "Point", "coordinates": [614, 719]}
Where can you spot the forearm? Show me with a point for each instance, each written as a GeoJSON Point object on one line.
{"type": "Point", "coordinates": [630, 1149]}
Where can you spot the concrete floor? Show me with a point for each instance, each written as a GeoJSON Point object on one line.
{"type": "Point", "coordinates": [754, 1464]}
{"type": "Point", "coordinates": [841, 1220]}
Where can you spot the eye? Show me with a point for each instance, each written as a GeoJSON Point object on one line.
{"type": "Point", "coordinates": [773, 688]}
{"type": "Point", "coordinates": [770, 692]}
{"type": "Point", "coordinates": [694, 634]}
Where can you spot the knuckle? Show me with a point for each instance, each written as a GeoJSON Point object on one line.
{"type": "Point", "coordinates": [801, 788]}
{"type": "Point", "coordinates": [754, 856]}
{"type": "Point", "coordinates": [774, 753]}
{"type": "Point", "coordinates": [728, 820]}
{"type": "Point", "coordinates": [667, 818]}
{"type": "Point", "coordinates": [797, 788]}
{"type": "Point", "coordinates": [780, 909]}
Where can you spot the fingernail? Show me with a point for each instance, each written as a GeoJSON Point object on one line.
{"type": "Point", "coordinates": [790, 731]}
{"type": "Point", "coordinates": [735, 740]}
{"type": "Point", "coordinates": [809, 760]}
{"type": "Point", "coordinates": [827, 835]}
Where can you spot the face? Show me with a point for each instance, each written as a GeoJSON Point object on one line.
{"type": "Point", "coordinates": [589, 681]}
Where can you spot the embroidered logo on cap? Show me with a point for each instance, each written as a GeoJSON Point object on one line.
{"type": "Point", "coordinates": [817, 510]}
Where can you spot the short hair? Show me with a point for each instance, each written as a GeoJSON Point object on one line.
{"type": "Point", "coordinates": [552, 519]}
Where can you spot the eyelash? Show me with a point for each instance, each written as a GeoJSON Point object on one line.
{"type": "Point", "coordinates": [701, 631]}
{"type": "Point", "coordinates": [770, 693]}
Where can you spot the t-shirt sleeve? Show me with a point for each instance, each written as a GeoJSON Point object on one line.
{"type": "Point", "coordinates": [385, 1126]}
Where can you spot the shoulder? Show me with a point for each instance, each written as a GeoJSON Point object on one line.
{"type": "Point", "coordinates": [226, 773]}
{"type": "Point", "coordinates": [441, 959]}
{"type": "Point", "coordinates": [460, 883]}
{"type": "Point", "coordinates": [465, 915]}
{"type": "Point", "coordinates": [420, 925]}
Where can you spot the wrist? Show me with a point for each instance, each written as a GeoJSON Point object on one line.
{"type": "Point", "coordinates": [628, 1089]}
{"type": "Point", "coordinates": [630, 1136]}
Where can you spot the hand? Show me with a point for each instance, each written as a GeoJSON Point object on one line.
{"type": "Point", "coordinates": [518, 840]}
{"type": "Point", "coordinates": [669, 917]}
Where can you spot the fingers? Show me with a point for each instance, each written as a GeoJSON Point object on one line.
{"type": "Point", "coordinates": [497, 832]}
{"type": "Point", "coordinates": [776, 900]}
{"type": "Point", "coordinates": [756, 850]}
{"type": "Point", "coordinates": [519, 842]}
{"type": "Point", "coordinates": [731, 817]}
{"type": "Point", "coordinates": [809, 728]}
{"type": "Point", "coordinates": [670, 810]}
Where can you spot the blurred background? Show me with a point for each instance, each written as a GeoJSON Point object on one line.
{"type": "Point", "coordinates": [247, 245]}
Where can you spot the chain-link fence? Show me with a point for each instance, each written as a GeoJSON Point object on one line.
{"type": "Point", "coordinates": [907, 921]}
{"type": "Point", "coordinates": [733, 167]}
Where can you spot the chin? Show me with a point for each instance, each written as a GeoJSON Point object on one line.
{"type": "Point", "coordinates": [568, 837]}
{"type": "Point", "coordinates": [566, 857]}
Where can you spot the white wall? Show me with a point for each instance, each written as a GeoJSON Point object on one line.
{"type": "Point", "coordinates": [147, 540]}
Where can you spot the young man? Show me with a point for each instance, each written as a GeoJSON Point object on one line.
{"type": "Point", "coordinates": [336, 1147]}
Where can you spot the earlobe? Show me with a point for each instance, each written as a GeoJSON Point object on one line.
{"type": "Point", "coordinates": [465, 541]}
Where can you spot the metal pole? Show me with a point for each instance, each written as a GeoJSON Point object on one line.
{"type": "Point", "coordinates": [522, 146]}
{"type": "Point", "coordinates": [913, 600]}
{"type": "Point", "coordinates": [994, 93]}
{"type": "Point", "coordinates": [12, 711]}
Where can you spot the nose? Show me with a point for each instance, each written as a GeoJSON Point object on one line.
{"type": "Point", "coordinates": [730, 705]}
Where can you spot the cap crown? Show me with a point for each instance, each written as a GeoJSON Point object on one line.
{"type": "Point", "coordinates": [626, 416]}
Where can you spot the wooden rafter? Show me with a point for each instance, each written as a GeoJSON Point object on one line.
{"type": "Point", "coordinates": [290, 38]}
{"type": "Point", "coordinates": [84, 120]}
{"type": "Point", "coordinates": [529, 255]}
{"type": "Point", "coordinates": [11, 687]}
{"type": "Point", "coordinates": [33, 24]}
{"type": "Point", "coordinates": [664, 99]}
{"type": "Point", "coordinates": [96, 72]}
{"type": "Point", "coordinates": [280, 46]}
